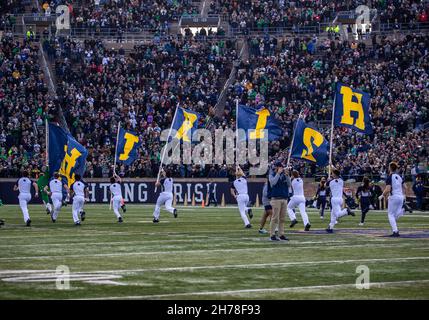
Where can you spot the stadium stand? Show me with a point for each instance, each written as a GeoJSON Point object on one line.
{"type": "Point", "coordinates": [98, 85]}
{"type": "Point", "coordinates": [302, 72]}
{"type": "Point", "coordinates": [125, 15]}
{"type": "Point", "coordinates": [141, 90]}
{"type": "Point", "coordinates": [23, 100]}
{"type": "Point", "coordinates": [262, 14]}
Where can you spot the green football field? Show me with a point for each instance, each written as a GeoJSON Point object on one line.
{"type": "Point", "coordinates": [207, 254]}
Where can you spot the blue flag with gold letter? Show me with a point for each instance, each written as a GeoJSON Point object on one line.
{"type": "Point", "coordinates": [185, 123]}
{"type": "Point", "coordinates": [128, 143]}
{"type": "Point", "coordinates": [352, 109]}
{"type": "Point", "coordinates": [66, 155]}
{"type": "Point", "coordinates": [310, 145]}
{"type": "Point", "coordinates": [258, 120]}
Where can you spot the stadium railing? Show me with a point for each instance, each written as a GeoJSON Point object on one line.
{"type": "Point", "coordinates": [320, 28]}
{"type": "Point", "coordinates": [143, 33]}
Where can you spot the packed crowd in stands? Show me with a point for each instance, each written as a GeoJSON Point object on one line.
{"type": "Point", "coordinates": [123, 15]}
{"type": "Point", "coordinates": [23, 100]}
{"type": "Point", "coordinates": [7, 10]}
{"type": "Point", "coordinates": [98, 86]}
{"type": "Point", "coordinates": [102, 86]}
{"type": "Point", "coordinates": [247, 14]}
{"type": "Point", "coordinates": [291, 79]}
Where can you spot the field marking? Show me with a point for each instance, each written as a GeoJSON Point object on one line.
{"type": "Point", "coordinates": [97, 232]}
{"type": "Point", "coordinates": [262, 265]}
{"type": "Point", "coordinates": [151, 222]}
{"type": "Point", "coordinates": [137, 206]}
{"type": "Point", "coordinates": [284, 289]}
{"type": "Point", "coordinates": [276, 246]}
{"type": "Point", "coordinates": [415, 216]}
{"type": "Point", "coordinates": [196, 239]}
{"type": "Point", "coordinates": [6, 272]}
{"type": "Point", "coordinates": [53, 277]}
{"type": "Point", "coordinates": [227, 266]}
{"type": "Point", "coordinates": [49, 276]}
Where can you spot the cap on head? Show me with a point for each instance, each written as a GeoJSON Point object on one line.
{"type": "Point", "coordinates": [77, 177]}
{"type": "Point", "coordinates": [278, 164]}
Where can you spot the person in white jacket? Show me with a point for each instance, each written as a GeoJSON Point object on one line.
{"type": "Point", "coordinates": [240, 193]}
{"type": "Point", "coordinates": [336, 186]}
{"type": "Point", "coordinates": [24, 186]}
{"type": "Point", "coordinates": [298, 200]}
{"type": "Point", "coordinates": [165, 197]}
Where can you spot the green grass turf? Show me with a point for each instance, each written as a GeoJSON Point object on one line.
{"type": "Point", "coordinates": [207, 254]}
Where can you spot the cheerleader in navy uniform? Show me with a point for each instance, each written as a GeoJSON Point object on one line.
{"type": "Point", "coordinates": [321, 195]}
{"type": "Point", "coordinates": [364, 196]}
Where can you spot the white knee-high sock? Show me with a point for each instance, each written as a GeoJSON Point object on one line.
{"type": "Point", "coordinates": [244, 217]}
{"type": "Point", "coordinates": [333, 220]}
{"type": "Point", "coordinates": [291, 214]}
{"type": "Point", "coordinates": [168, 206]}
{"type": "Point", "coordinates": [57, 208]}
{"type": "Point", "coordinates": [24, 208]}
{"type": "Point", "coordinates": [75, 215]}
{"type": "Point", "coordinates": [392, 221]}
{"type": "Point", "coordinates": [304, 214]}
{"type": "Point", "coordinates": [157, 212]}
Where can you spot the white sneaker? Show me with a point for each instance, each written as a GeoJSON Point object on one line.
{"type": "Point", "coordinates": [336, 221]}
{"type": "Point", "coordinates": [361, 224]}
{"type": "Point", "coordinates": [322, 217]}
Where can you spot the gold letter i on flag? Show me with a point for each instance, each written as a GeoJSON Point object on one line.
{"type": "Point", "coordinates": [182, 133]}
{"type": "Point", "coordinates": [131, 140]}
{"type": "Point", "coordinates": [258, 133]}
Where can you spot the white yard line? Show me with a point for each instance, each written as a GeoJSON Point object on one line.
{"type": "Point", "coordinates": [97, 233]}
{"type": "Point", "coordinates": [276, 246]}
{"type": "Point", "coordinates": [415, 216]}
{"type": "Point", "coordinates": [260, 265]}
{"type": "Point", "coordinates": [226, 266]}
{"type": "Point", "coordinates": [191, 239]}
{"type": "Point", "coordinates": [262, 290]}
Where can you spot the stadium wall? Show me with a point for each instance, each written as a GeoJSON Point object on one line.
{"type": "Point", "coordinates": [142, 190]}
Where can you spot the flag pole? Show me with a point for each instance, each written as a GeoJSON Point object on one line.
{"type": "Point", "coordinates": [114, 161]}
{"type": "Point", "coordinates": [237, 165]}
{"type": "Point", "coordinates": [116, 149]}
{"type": "Point", "coordinates": [47, 141]}
{"type": "Point", "coordinates": [165, 147]}
{"type": "Point", "coordinates": [331, 143]}
{"type": "Point", "coordinates": [291, 143]}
